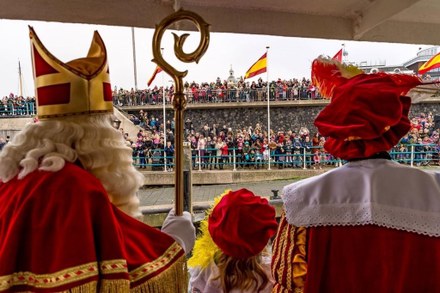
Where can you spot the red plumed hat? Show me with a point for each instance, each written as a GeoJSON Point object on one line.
{"type": "Point", "coordinates": [367, 114]}
{"type": "Point", "coordinates": [242, 223]}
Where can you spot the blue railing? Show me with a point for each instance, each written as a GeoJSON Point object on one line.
{"type": "Point", "coordinates": [27, 108]}
{"type": "Point", "coordinates": [217, 96]}
{"type": "Point", "coordinates": [314, 157]}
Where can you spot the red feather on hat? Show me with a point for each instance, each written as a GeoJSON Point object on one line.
{"type": "Point", "coordinates": [327, 74]}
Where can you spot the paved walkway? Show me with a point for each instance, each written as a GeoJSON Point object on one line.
{"type": "Point", "coordinates": [164, 196]}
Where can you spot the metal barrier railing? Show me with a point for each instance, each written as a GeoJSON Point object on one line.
{"type": "Point", "coordinates": [218, 96]}
{"type": "Point", "coordinates": [27, 108]}
{"type": "Point", "coordinates": [313, 157]}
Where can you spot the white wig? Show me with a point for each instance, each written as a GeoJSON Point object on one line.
{"type": "Point", "coordinates": [91, 140]}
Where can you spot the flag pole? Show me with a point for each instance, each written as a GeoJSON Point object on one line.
{"type": "Point", "coordinates": [268, 104]}
{"type": "Point", "coordinates": [343, 53]}
{"type": "Point", "coordinates": [20, 80]}
{"type": "Point", "coordinates": [134, 58]}
{"type": "Point", "coordinates": [164, 121]}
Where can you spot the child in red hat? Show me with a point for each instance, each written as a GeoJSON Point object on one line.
{"type": "Point", "coordinates": [230, 255]}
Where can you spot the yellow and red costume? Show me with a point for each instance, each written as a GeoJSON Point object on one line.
{"type": "Point", "coordinates": [371, 225]}
{"type": "Point", "coordinates": [352, 230]}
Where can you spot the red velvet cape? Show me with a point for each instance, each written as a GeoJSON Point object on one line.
{"type": "Point", "coordinates": [58, 231]}
{"type": "Point", "coordinates": [371, 259]}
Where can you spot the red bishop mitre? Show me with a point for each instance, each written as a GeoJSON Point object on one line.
{"type": "Point", "coordinates": [78, 87]}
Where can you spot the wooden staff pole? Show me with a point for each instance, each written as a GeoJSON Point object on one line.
{"type": "Point", "coordinates": [179, 99]}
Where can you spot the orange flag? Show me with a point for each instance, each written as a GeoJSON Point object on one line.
{"type": "Point", "coordinates": [432, 63]}
{"type": "Point", "coordinates": [156, 71]}
{"type": "Point", "coordinates": [258, 67]}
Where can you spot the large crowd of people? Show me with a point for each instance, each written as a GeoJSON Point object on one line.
{"type": "Point", "coordinates": [16, 105]}
{"type": "Point", "coordinates": [222, 146]}
{"type": "Point", "coordinates": [221, 91]}
{"type": "Point", "coordinates": [204, 92]}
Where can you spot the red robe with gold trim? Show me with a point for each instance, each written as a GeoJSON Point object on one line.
{"type": "Point", "coordinates": [59, 232]}
{"type": "Point", "coordinates": [354, 259]}
{"type": "Point", "coordinates": [369, 226]}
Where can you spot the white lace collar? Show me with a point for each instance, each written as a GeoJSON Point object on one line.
{"type": "Point", "coordinates": [376, 191]}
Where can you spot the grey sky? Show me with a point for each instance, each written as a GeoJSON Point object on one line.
{"type": "Point", "coordinates": [288, 57]}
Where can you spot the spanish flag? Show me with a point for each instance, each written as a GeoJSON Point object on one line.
{"type": "Point", "coordinates": [258, 67]}
{"type": "Point", "coordinates": [432, 63]}
{"type": "Point", "coordinates": [156, 71]}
